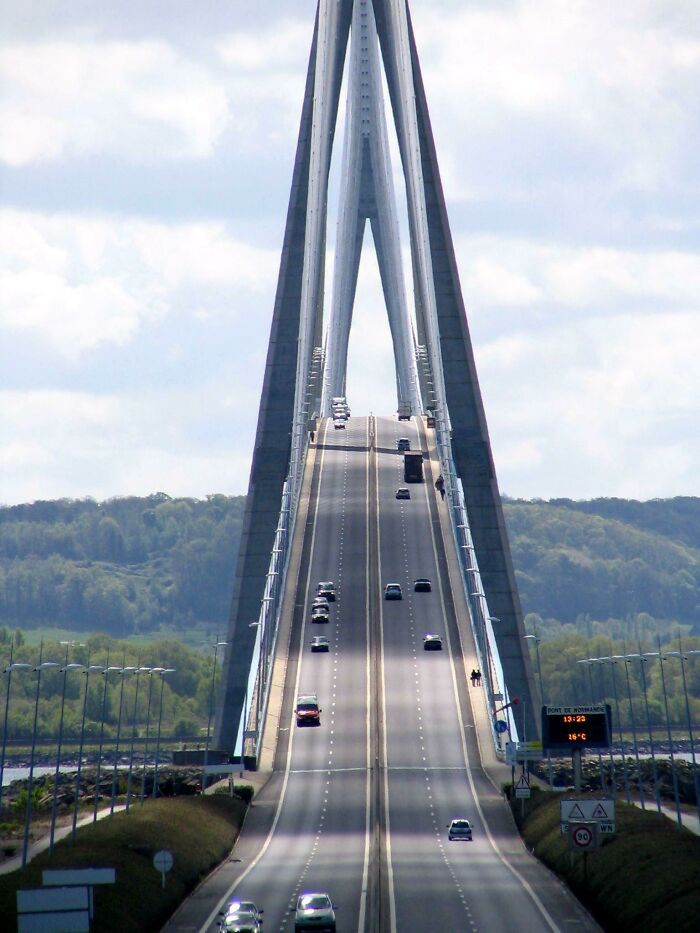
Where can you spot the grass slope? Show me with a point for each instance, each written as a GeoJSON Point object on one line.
{"type": "Point", "coordinates": [199, 831]}
{"type": "Point", "coordinates": [646, 877]}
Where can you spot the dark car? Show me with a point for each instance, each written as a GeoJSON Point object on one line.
{"type": "Point", "coordinates": [393, 591]}
{"type": "Point", "coordinates": [403, 492]}
{"type": "Point", "coordinates": [326, 590]}
{"type": "Point", "coordinates": [320, 643]}
{"type": "Point", "coordinates": [403, 443]}
{"type": "Point", "coordinates": [432, 642]}
{"type": "Point", "coordinates": [422, 585]}
{"type": "Point", "coordinates": [320, 614]}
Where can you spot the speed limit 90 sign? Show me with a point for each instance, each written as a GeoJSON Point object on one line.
{"type": "Point", "coordinates": [582, 836]}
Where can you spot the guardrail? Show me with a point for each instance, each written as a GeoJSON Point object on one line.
{"type": "Point", "coordinates": [479, 616]}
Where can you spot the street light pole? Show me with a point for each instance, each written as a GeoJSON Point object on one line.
{"type": "Point", "coordinates": [674, 775]}
{"type": "Point", "coordinates": [625, 776]}
{"type": "Point", "coordinates": [588, 662]}
{"type": "Point", "coordinates": [100, 750]}
{"type": "Point", "coordinates": [54, 803]}
{"type": "Point", "coordinates": [633, 722]}
{"type": "Point", "coordinates": [124, 672]}
{"type": "Point", "coordinates": [90, 669]}
{"type": "Point", "coordinates": [167, 670]}
{"type": "Point", "coordinates": [654, 771]}
{"type": "Point", "coordinates": [537, 640]}
{"type": "Point", "coordinates": [154, 670]}
{"type": "Point", "coordinates": [140, 670]}
{"type": "Point", "coordinates": [42, 665]}
{"type": "Point", "coordinates": [683, 658]}
{"type": "Point", "coordinates": [219, 644]}
{"type": "Point", "coordinates": [12, 666]}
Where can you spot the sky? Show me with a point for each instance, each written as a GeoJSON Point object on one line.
{"type": "Point", "coordinates": [145, 165]}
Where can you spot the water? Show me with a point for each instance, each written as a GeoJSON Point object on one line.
{"type": "Point", "coordinates": [21, 774]}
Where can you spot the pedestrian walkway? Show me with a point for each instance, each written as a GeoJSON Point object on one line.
{"type": "Point", "coordinates": [41, 845]}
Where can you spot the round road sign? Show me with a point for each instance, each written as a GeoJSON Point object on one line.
{"type": "Point", "coordinates": [582, 837]}
{"type": "Point", "coordinates": [163, 861]}
{"type": "Point", "coordinates": [501, 725]}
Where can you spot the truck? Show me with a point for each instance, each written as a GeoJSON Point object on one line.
{"type": "Point", "coordinates": [404, 411]}
{"type": "Point", "coordinates": [413, 467]}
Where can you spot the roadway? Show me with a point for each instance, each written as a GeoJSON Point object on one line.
{"type": "Point", "coordinates": [361, 802]}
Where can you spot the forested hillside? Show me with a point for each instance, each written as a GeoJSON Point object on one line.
{"type": "Point", "coordinates": [607, 564]}
{"type": "Point", "coordinates": [125, 566]}
{"type": "Point", "coordinates": [139, 565]}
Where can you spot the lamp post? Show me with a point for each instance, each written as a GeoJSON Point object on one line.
{"type": "Point", "coordinates": [124, 672]}
{"type": "Point", "coordinates": [655, 774]}
{"type": "Point", "coordinates": [154, 670]}
{"type": "Point", "coordinates": [674, 776]}
{"type": "Point", "coordinates": [245, 710]}
{"type": "Point", "coordinates": [12, 666]}
{"type": "Point", "coordinates": [54, 803]}
{"type": "Point", "coordinates": [218, 644]}
{"type": "Point", "coordinates": [589, 664]}
{"type": "Point", "coordinates": [633, 723]}
{"type": "Point", "coordinates": [140, 670]}
{"type": "Point", "coordinates": [625, 777]}
{"type": "Point", "coordinates": [683, 658]}
{"type": "Point", "coordinates": [166, 670]}
{"type": "Point", "coordinates": [106, 672]}
{"type": "Point", "coordinates": [41, 666]}
{"type": "Point", "coordinates": [537, 640]}
{"type": "Point", "coordinates": [90, 669]}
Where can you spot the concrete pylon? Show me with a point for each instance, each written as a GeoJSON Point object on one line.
{"type": "Point", "coordinates": [367, 194]}
{"type": "Point", "coordinates": [280, 405]}
{"type": "Point", "coordinates": [447, 372]}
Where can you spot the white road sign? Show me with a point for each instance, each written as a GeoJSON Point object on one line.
{"type": "Point", "coordinates": [586, 811]}
{"type": "Point", "coordinates": [600, 811]}
{"type": "Point", "coordinates": [522, 788]}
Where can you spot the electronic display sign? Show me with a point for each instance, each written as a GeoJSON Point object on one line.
{"type": "Point", "coordinates": [571, 727]}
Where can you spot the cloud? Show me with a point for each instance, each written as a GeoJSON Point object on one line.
{"type": "Point", "coordinates": [62, 443]}
{"type": "Point", "coordinates": [79, 283]}
{"type": "Point", "coordinates": [141, 100]}
{"type": "Point", "coordinates": [527, 94]}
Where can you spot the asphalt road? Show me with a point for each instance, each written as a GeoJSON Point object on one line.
{"type": "Point", "coordinates": [396, 746]}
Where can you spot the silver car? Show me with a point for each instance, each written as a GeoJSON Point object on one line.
{"type": "Point", "coordinates": [314, 912]}
{"type": "Point", "coordinates": [241, 917]}
{"type": "Point", "coordinates": [460, 830]}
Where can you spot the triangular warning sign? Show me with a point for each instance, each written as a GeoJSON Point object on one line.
{"type": "Point", "coordinates": [576, 813]}
{"type": "Point", "coordinates": [600, 813]}
{"type": "Point", "coordinates": [523, 782]}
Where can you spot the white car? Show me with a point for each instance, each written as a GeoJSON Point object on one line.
{"type": "Point", "coordinates": [314, 912]}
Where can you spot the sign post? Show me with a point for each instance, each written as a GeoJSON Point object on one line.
{"type": "Point", "coordinates": [163, 862]}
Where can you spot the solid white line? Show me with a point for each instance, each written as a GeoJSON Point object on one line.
{"type": "Point", "coordinates": [390, 867]}
{"type": "Point", "coordinates": [288, 762]}
{"type": "Point", "coordinates": [514, 871]}
{"type": "Point", "coordinates": [368, 752]}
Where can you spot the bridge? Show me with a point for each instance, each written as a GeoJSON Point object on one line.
{"type": "Point", "coordinates": [359, 805]}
